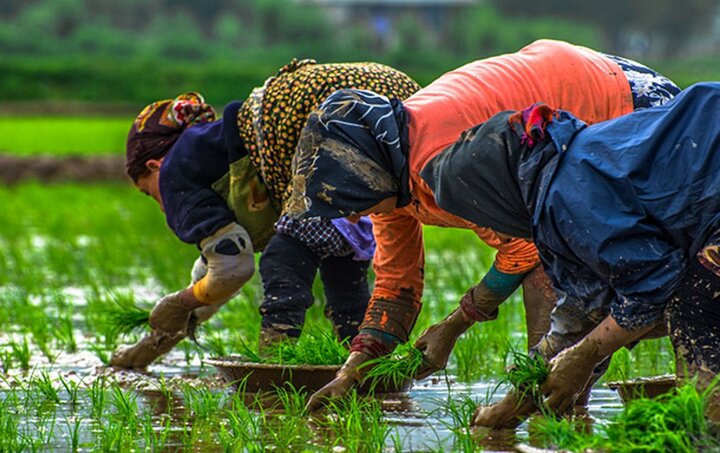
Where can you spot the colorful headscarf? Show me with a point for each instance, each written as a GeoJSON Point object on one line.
{"type": "Point", "coordinates": [352, 154]}
{"type": "Point", "coordinates": [158, 126]}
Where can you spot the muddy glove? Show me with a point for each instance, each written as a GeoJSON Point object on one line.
{"type": "Point", "coordinates": [508, 413]}
{"type": "Point", "coordinates": [172, 312]}
{"type": "Point", "coordinates": [570, 372]}
{"type": "Point", "coordinates": [348, 376]}
{"type": "Point", "coordinates": [437, 342]}
{"type": "Point", "coordinates": [145, 351]}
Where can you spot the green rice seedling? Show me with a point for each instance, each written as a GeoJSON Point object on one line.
{"type": "Point", "coordinates": [6, 357]}
{"type": "Point", "coordinates": [355, 423]}
{"type": "Point", "coordinates": [98, 391]}
{"type": "Point", "coordinates": [671, 422]}
{"type": "Point", "coordinates": [291, 400]}
{"type": "Point", "coordinates": [393, 370]}
{"type": "Point", "coordinates": [202, 402]}
{"type": "Point", "coordinates": [45, 386]}
{"type": "Point", "coordinates": [314, 347]}
{"type": "Point", "coordinates": [215, 344]}
{"type": "Point", "coordinates": [460, 409]}
{"type": "Point", "coordinates": [101, 351]}
{"type": "Point", "coordinates": [526, 374]}
{"type": "Point", "coordinates": [73, 428]}
{"type": "Point", "coordinates": [155, 439]}
{"type": "Point", "coordinates": [243, 427]}
{"type": "Point", "coordinates": [126, 407]}
{"type": "Point", "coordinates": [189, 350]}
{"type": "Point", "coordinates": [72, 388]}
{"type": "Point", "coordinates": [65, 334]}
{"type": "Point", "coordinates": [123, 316]}
{"type": "Point", "coordinates": [21, 353]}
{"type": "Point", "coordinates": [562, 433]}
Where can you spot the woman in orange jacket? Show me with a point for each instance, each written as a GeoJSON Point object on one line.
{"type": "Point", "coordinates": [361, 153]}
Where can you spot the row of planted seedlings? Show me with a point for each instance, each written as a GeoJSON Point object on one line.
{"type": "Point", "coordinates": [80, 258]}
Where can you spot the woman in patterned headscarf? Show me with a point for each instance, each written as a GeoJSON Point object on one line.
{"type": "Point", "coordinates": [222, 185]}
{"type": "Point", "coordinates": [362, 153]}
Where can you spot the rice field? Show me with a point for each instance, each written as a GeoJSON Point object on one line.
{"type": "Point", "coordinates": [71, 253]}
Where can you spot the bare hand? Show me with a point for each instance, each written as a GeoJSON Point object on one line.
{"type": "Point", "coordinates": [438, 341]}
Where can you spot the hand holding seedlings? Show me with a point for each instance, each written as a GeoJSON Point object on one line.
{"type": "Point", "coordinates": [172, 312]}
{"type": "Point", "coordinates": [570, 372]}
{"type": "Point", "coordinates": [438, 341]}
{"type": "Point", "coordinates": [349, 375]}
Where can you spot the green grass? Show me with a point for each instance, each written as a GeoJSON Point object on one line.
{"type": "Point", "coordinates": [64, 135]}
{"type": "Point", "coordinates": [672, 422]}
{"type": "Point", "coordinates": [393, 370]}
{"type": "Point", "coordinates": [314, 347]}
{"type": "Point", "coordinates": [526, 374]}
{"type": "Point", "coordinates": [77, 259]}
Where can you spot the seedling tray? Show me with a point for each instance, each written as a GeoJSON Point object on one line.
{"type": "Point", "coordinates": [266, 377]}
{"type": "Point", "coordinates": [648, 387]}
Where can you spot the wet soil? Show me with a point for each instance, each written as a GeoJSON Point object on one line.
{"type": "Point", "coordinates": [50, 169]}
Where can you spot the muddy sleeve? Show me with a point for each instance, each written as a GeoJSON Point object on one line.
{"type": "Point", "coordinates": [398, 264]}
{"type": "Point", "coordinates": [229, 264]}
{"type": "Point", "coordinates": [514, 256]}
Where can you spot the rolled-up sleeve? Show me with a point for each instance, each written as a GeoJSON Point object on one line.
{"type": "Point", "coordinates": [398, 263]}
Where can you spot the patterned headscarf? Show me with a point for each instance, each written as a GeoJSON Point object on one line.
{"type": "Point", "coordinates": [158, 126]}
{"type": "Point", "coordinates": [352, 154]}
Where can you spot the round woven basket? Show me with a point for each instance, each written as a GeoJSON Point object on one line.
{"type": "Point", "coordinates": [648, 387]}
{"type": "Point", "coordinates": [266, 377]}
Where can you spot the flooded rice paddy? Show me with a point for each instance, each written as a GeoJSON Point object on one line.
{"type": "Point", "coordinates": [70, 252]}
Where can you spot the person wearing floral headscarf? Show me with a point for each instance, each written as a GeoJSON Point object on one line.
{"type": "Point", "coordinates": [222, 184]}
{"type": "Point", "coordinates": [361, 153]}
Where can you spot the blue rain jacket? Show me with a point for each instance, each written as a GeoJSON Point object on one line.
{"type": "Point", "coordinates": [624, 204]}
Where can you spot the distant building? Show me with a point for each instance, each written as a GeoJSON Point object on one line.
{"type": "Point", "coordinates": [381, 17]}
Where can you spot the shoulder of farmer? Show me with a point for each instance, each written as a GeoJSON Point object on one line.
{"type": "Point", "coordinates": [228, 257]}
{"type": "Point", "coordinates": [399, 257]}
{"type": "Point", "coordinates": [585, 73]}
{"type": "Point", "coordinates": [515, 255]}
{"type": "Point", "coordinates": [192, 208]}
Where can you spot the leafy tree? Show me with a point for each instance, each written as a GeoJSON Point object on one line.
{"type": "Point", "coordinates": [670, 23]}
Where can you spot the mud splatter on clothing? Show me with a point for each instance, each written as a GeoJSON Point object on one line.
{"type": "Point", "coordinates": [274, 115]}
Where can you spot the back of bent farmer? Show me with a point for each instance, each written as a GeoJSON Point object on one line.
{"type": "Point", "coordinates": [626, 218]}
{"type": "Point", "coordinates": [222, 185]}
{"type": "Point", "coordinates": [361, 153]}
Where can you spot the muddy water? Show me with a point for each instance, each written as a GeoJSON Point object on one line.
{"type": "Point", "coordinates": [417, 415]}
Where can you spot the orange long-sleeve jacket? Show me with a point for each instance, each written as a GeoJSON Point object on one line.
{"type": "Point", "coordinates": [569, 77]}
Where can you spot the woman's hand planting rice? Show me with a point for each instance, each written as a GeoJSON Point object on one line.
{"type": "Point", "coordinates": [570, 372]}
{"type": "Point", "coordinates": [172, 312]}
{"type": "Point", "coordinates": [509, 413]}
{"type": "Point", "coordinates": [438, 341]}
{"type": "Point", "coordinates": [346, 378]}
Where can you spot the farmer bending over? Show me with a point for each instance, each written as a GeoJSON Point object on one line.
{"type": "Point", "coordinates": [626, 218]}
{"type": "Point", "coordinates": [221, 184]}
{"type": "Point", "coordinates": [362, 153]}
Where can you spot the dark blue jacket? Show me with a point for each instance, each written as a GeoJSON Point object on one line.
{"type": "Point", "coordinates": [624, 204]}
{"type": "Point", "coordinates": [201, 155]}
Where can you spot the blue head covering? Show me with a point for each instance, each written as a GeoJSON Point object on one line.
{"type": "Point", "coordinates": [352, 154]}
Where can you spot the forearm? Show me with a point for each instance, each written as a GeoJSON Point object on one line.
{"type": "Point", "coordinates": [609, 336]}
{"type": "Point", "coordinates": [229, 264]}
{"type": "Point", "coordinates": [481, 302]}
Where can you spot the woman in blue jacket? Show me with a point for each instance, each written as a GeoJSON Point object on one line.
{"type": "Point", "coordinates": [626, 218]}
